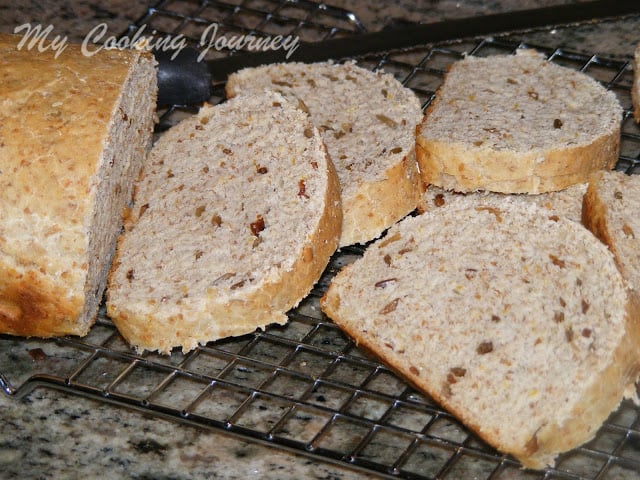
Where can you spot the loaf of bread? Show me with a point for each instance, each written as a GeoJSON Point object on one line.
{"type": "Point", "coordinates": [635, 88]}
{"type": "Point", "coordinates": [567, 202]}
{"type": "Point", "coordinates": [516, 321]}
{"type": "Point", "coordinates": [611, 207]}
{"type": "Point", "coordinates": [367, 121]}
{"type": "Point", "coordinates": [517, 124]}
{"type": "Point", "coordinates": [74, 132]}
{"type": "Point", "coordinates": [234, 220]}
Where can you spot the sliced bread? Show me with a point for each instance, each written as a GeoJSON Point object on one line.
{"type": "Point", "coordinates": [367, 120]}
{"type": "Point", "coordinates": [611, 207]}
{"type": "Point", "coordinates": [517, 124]}
{"type": "Point", "coordinates": [567, 202]}
{"type": "Point", "coordinates": [234, 219]}
{"type": "Point", "coordinates": [74, 132]}
{"type": "Point", "coordinates": [518, 322]}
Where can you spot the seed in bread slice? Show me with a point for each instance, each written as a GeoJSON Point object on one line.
{"type": "Point", "coordinates": [567, 202]}
{"type": "Point", "coordinates": [367, 120]}
{"type": "Point", "coordinates": [611, 207]}
{"type": "Point", "coordinates": [517, 124]}
{"type": "Point", "coordinates": [518, 322]}
{"type": "Point", "coordinates": [234, 219]}
{"type": "Point", "coordinates": [74, 132]}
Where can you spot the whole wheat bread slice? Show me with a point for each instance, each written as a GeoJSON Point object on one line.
{"type": "Point", "coordinates": [235, 218]}
{"type": "Point", "coordinates": [611, 207]}
{"type": "Point", "coordinates": [367, 120]}
{"type": "Point", "coordinates": [518, 322]}
{"type": "Point", "coordinates": [517, 124]}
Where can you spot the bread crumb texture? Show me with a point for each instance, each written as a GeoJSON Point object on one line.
{"type": "Point", "coordinates": [517, 123]}
{"type": "Point", "coordinates": [234, 219]}
{"type": "Point", "coordinates": [513, 319]}
{"type": "Point", "coordinates": [367, 121]}
{"type": "Point", "coordinates": [566, 203]}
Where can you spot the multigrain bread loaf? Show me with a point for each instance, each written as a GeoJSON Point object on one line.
{"type": "Point", "coordinates": [567, 202]}
{"type": "Point", "coordinates": [611, 207]}
{"type": "Point", "coordinates": [74, 131]}
{"type": "Point", "coordinates": [367, 120]}
{"type": "Point", "coordinates": [517, 124]}
{"type": "Point", "coordinates": [234, 219]}
{"type": "Point", "coordinates": [635, 88]}
{"type": "Point", "coordinates": [518, 322]}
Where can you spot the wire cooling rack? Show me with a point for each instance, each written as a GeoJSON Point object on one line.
{"type": "Point", "coordinates": [305, 387]}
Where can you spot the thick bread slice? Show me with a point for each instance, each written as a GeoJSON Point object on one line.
{"type": "Point", "coordinates": [516, 321]}
{"type": "Point", "coordinates": [567, 202]}
{"type": "Point", "coordinates": [611, 207]}
{"type": "Point", "coordinates": [233, 221]}
{"type": "Point", "coordinates": [517, 124]}
{"type": "Point", "coordinates": [74, 132]}
{"type": "Point", "coordinates": [367, 120]}
{"type": "Point", "coordinates": [635, 89]}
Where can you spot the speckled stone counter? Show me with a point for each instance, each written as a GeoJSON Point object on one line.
{"type": "Point", "coordinates": [50, 434]}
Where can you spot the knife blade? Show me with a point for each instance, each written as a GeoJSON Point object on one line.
{"type": "Point", "coordinates": [183, 79]}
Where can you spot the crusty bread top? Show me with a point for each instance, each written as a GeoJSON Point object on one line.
{"type": "Point", "coordinates": [235, 217]}
{"type": "Point", "coordinates": [367, 120]}
{"type": "Point", "coordinates": [52, 110]}
{"type": "Point", "coordinates": [517, 124]}
{"type": "Point", "coordinates": [55, 120]}
{"type": "Point", "coordinates": [514, 319]}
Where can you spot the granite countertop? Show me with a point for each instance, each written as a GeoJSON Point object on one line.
{"type": "Point", "coordinates": [52, 434]}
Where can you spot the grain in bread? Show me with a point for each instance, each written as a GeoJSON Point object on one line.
{"type": "Point", "coordinates": [611, 207]}
{"type": "Point", "coordinates": [567, 202]}
{"type": "Point", "coordinates": [367, 120]}
{"type": "Point", "coordinates": [517, 124]}
{"type": "Point", "coordinates": [74, 132]}
{"type": "Point", "coordinates": [234, 219]}
{"type": "Point", "coordinates": [516, 321]}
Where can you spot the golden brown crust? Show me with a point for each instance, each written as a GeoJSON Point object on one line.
{"type": "Point", "coordinates": [380, 204]}
{"type": "Point", "coordinates": [594, 213]}
{"type": "Point", "coordinates": [31, 305]}
{"type": "Point", "coordinates": [54, 125]}
{"type": "Point", "coordinates": [465, 169]}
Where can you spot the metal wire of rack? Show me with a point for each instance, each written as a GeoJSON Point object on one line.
{"type": "Point", "coordinates": [305, 386]}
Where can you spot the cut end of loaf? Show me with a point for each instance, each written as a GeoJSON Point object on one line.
{"type": "Point", "coordinates": [61, 208]}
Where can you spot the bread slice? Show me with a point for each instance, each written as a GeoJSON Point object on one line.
{"type": "Point", "coordinates": [635, 88]}
{"type": "Point", "coordinates": [234, 219]}
{"type": "Point", "coordinates": [611, 207]}
{"type": "Point", "coordinates": [517, 124]}
{"type": "Point", "coordinates": [367, 120]}
{"type": "Point", "coordinates": [74, 132]}
{"type": "Point", "coordinates": [567, 202]}
{"type": "Point", "coordinates": [518, 322]}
